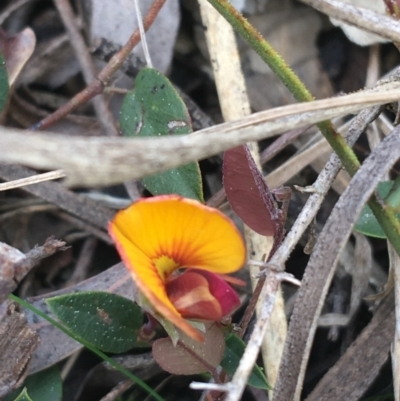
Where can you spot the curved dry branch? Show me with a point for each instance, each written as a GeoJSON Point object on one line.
{"type": "Point", "coordinates": [362, 18]}
{"type": "Point", "coordinates": [322, 264]}
{"type": "Point", "coordinates": [106, 161]}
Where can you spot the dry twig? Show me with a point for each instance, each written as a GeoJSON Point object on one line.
{"type": "Point", "coordinates": [14, 265]}
{"type": "Point", "coordinates": [104, 161]}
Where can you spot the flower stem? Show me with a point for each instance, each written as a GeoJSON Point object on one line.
{"type": "Point", "coordinates": [385, 216]}
{"type": "Point", "coordinates": [96, 351]}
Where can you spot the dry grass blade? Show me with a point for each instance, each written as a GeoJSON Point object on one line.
{"type": "Point", "coordinates": [321, 267]}
{"type": "Point", "coordinates": [104, 161]}
{"type": "Point", "coordinates": [52, 175]}
{"type": "Point", "coordinates": [298, 162]}
{"type": "Point", "coordinates": [234, 103]}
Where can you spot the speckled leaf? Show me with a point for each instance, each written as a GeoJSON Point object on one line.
{"type": "Point", "coordinates": [44, 386]}
{"type": "Point", "coordinates": [4, 87]}
{"type": "Point", "coordinates": [249, 195]}
{"type": "Point", "coordinates": [108, 321]}
{"type": "Point", "coordinates": [366, 223]}
{"type": "Point", "coordinates": [179, 359]}
{"type": "Point", "coordinates": [23, 396]}
{"type": "Point", "coordinates": [233, 353]}
{"type": "Point", "coordinates": [154, 108]}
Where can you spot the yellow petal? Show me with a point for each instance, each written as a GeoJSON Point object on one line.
{"type": "Point", "coordinates": [188, 232]}
{"type": "Point", "coordinates": [149, 281]}
{"type": "Point", "coordinates": [158, 235]}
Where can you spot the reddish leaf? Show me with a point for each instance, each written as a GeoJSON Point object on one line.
{"type": "Point", "coordinates": [248, 193]}
{"type": "Point", "coordinates": [186, 357]}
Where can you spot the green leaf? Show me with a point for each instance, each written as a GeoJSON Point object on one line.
{"type": "Point", "coordinates": [4, 86]}
{"type": "Point", "coordinates": [233, 352]}
{"type": "Point", "coordinates": [393, 198]}
{"type": "Point", "coordinates": [23, 396]}
{"type": "Point", "coordinates": [366, 223]}
{"type": "Point", "coordinates": [154, 108]}
{"type": "Point", "coordinates": [42, 386]}
{"type": "Point", "coordinates": [107, 321]}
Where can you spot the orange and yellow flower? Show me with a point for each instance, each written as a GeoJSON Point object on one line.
{"type": "Point", "coordinates": [159, 236]}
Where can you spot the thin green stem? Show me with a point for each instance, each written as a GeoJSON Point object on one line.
{"type": "Point", "coordinates": [96, 351]}
{"type": "Point", "coordinates": [288, 77]}
{"type": "Point", "coordinates": [385, 215]}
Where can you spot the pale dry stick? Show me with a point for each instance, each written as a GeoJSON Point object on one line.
{"type": "Point", "coordinates": [87, 228]}
{"type": "Point", "coordinates": [69, 364]}
{"type": "Point", "coordinates": [83, 263]}
{"type": "Point", "coordinates": [385, 125]}
{"type": "Point", "coordinates": [373, 70]}
{"type": "Point", "coordinates": [118, 390]}
{"type": "Point", "coordinates": [312, 154]}
{"type": "Point", "coordinates": [373, 73]}
{"type": "Point", "coordinates": [88, 69]}
{"type": "Point", "coordinates": [103, 161]}
{"type": "Point", "coordinates": [297, 163]}
{"type": "Point", "coordinates": [362, 18]}
{"type": "Point", "coordinates": [142, 35]}
{"type": "Point", "coordinates": [20, 211]}
{"type": "Point", "coordinates": [395, 266]}
{"type": "Point", "coordinates": [235, 104]}
{"type": "Point", "coordinates": [210, 386]}
{"type": "Point", "coordinates": [321, 185]}
{"type": "Point", "coordinates": [23, 182]}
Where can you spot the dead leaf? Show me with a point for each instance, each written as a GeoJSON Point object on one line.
{"type": "Point", "coordinates": [17, 50]}
{"type": "Point", "coordinates": [189, 356]}
{"type": "Point", "coordinates": [115, 20]}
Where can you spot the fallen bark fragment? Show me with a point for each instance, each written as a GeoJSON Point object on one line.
{"type": "Point", "coordinates": [18, 342]}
